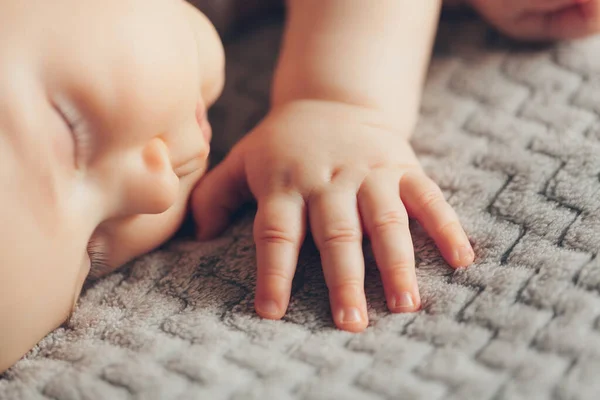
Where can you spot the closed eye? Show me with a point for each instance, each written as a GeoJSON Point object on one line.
{"type": "Point", "coordinates": [78, 129]}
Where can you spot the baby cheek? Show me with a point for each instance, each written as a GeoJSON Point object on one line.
{"type": "Point", "coordinates": [202, 118]}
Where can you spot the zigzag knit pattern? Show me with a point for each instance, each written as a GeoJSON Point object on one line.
{"type": "Point", "coordinates": [511, 135]}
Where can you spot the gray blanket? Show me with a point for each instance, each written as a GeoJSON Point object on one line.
{"type": "Point", "coordinates": [512, 135]}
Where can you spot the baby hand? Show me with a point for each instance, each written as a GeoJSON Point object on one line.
{"type": "Point", "coordinates": [340, 169]}
{"type": "Point", "coordinates": [542, 20]}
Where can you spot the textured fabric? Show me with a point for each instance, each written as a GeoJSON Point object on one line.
{"type": "Point", "coordinates": [511, 135]}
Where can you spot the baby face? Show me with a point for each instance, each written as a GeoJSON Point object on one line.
{"type": "Point", "coordinates": [102, 137]}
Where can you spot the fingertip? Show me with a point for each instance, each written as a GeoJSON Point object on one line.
{"type": "Point", "coordinates": [217, 196]}
{"type": "Point", "coordinates": [210, 227]}
{"type": "Point", "coordinates": [210, 220]}
{"type": "Point", "coordinates": [351, 319]}
{"type": "Point", "coordinates": [349, 308]}
{"type": "Point", "coordinates": [203, 236]}
{"type": "Point", "coordinates": [463, 256]}
{"type": "Point", "coordinates": [269, 309]}
{"type": "Point", "coordinates": [404, 302]}
{"type": "Point", "coordinates": [353, 328]}
{"type": "Point", "coordinates": [455, 246]}
{"type": "Point", "coordinates": [201, 233]}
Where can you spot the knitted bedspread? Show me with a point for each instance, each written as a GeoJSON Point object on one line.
{"type": "Point", "coordinates": [511, 134]}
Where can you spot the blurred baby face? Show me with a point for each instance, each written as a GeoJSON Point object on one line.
{"type": "Point", "coordinates": [102, 138]}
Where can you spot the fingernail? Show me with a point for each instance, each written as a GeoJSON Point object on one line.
{"type": "Point", "coordinates": [267, 307]}
{"type": "Point", "coordinates": [350, 315]}
{"type": "Point", "coordinates": [403, 300]}
{"type": "Point", "coordinates": [465, 254]}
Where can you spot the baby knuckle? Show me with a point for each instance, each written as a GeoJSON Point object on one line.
{"type": "Point", "coordinates": [399, 268]}
{"type": "Point", "coordinates": [316, 193]}
{"type": "Point", "coordinates": [276, 274]}
{"type": "Point", "coordinates": [297, 176]}
{"type": "Point", "coordinates": [392, 217]}
{"type": "Point", "coordinates": [449, 228]}
{"type": "Point", "coordinates": [275, 235]}
{"type": "Point", "coordinates": [431, 198]}
{"type": "Point", "coordinates": [389, 220]}
{"type": "Point", "coordinates": [343, 234]}
{"type": "Point", "coordinates": [347, 285]}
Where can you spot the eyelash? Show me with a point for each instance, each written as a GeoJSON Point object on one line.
{"type": "Point", "coordinates": [98, 260]}
{"type": "Point", "coordinates": [75, 124]}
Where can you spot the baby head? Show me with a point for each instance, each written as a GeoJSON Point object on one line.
{"type": "Point", "coordinates": [103, 136]}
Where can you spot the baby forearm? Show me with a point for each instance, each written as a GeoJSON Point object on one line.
{"type": "Point", "coordinates": [371, 54]}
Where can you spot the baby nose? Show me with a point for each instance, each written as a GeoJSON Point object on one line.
{"type": "Point", "coordinates": [191, 144]}
{"type": "Point", "coordinates": [154, 186]}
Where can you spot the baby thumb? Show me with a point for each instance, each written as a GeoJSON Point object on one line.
{"type": "Point", "coordinates": [218, 195]}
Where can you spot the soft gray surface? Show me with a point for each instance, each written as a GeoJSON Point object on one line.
{"type": "Point", "coordinates": [512, 136]}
